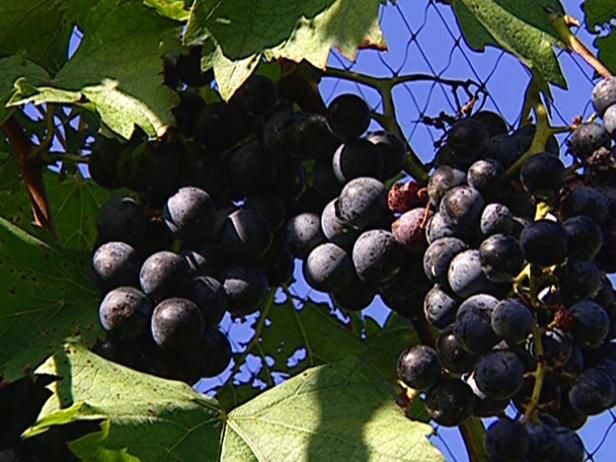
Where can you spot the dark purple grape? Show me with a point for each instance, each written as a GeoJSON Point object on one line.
{"type": "Point", "coordinates": [290, 180]}
{"type": "Point", "coordinates": [507, 440]}
{"type": "Point", "coordinates": [499, 374]}
{"type": "Point", "coordinates": [487, 176]}
{"type": "Point", "coordinates": [206, 170]}
{"type": "Point", "coordinates": [272, 208]}
{"type": "Point", "coordinates": [584, 237]}
{"type": "Point", "coordinates": [245, 235]}
{"type": "Point", "coordinates": [209, 295]}
{"type": "Point", "coordinates": [450, 402]}
{"type": "Point", "coordinates": [324, 179]}
{"type": "Point", "coordinates": [501, 258]}
{"type": "Point", "coordinates": [520, 203]}
{"type": "Point", "coordinates": [115, 264]}
{"type": "Point", "coordinates": [593, 392]}
{"type": "Point", "coordinates": [496, 219]}
{"type": "Point", "coordinates": [177, 322]}
{"type": "Point", "coordinates": [164, 275]}
{"type": "Point", "coordinates": [524, 137]}
{"type": "Point", "coordinates": [453, 357]}
{"type": "Point", "coordinates": [257, 95]}
{"type": "Point", "coordinates": [335, 230]}
{"type": "Point", "coordinates": [462, 205]}
{"type": "Point", "coordinates": [557, 348]}
{"type": "Point", "coordinates": [473, 324]}
{"type": "Point", "coordinates": [512, 320]}
{"type": "Point", "coordinates": [504, 148]}
{"type": "Point", "coordinates": [303, 233]}
{"type": "Point", "coordinates": [121, 220]}
{"type": "Point", "coordinates": [438, 256]}
{"type": "Point", "coordinates": [440, 308]}
{"type": "Point", "coordinates": [440, 227]}
{"type": "Point", "coordinates": [202, 261]}
{"type": "Point", "coordinates": [125, 312]}
{"type": "Point", "coordinates": [246, 288]}
{"type": "Point", "coordinates": [355, 297]}
{"type": "Point", "coordinates": [392, 151]}
{"type": "Point", "coordinates": [103, 162]}
{"type": "Point", "coordinates": [465, 275]}
{"type": "Point", "coordinates": [578, 279]}
{"type": "Point", "coordinates": [542, 442]}
{"type": "Point", "coordinates": [279, 131]}
{"type": "Point", "coordinates": [587, 201]}
{"type": "Point", "coordinates": [604, 95]}
{"type": "Point", "coordinates": [312, 138]}
{"type": "Point", "coordinates": [467, 140]}
{"type": "Point", "coordinates": [493, 123]}
{"type": "Point", "coordinates": [609, 121]}
{"type": "Point", "coordinates": [544, 243]}
{"type": "Point", "coordinates": [357, 158]}
{"type": "Point", "coordinates": [328, 268]}
{"type": "Point", "coordinates": [605, 296]}
{"type": "Point", "coordinates": [190, 214]}
{"type": "Point", "coordinates": [576, 364]}
{"type": "Point", "coordinates": [570, 446]}
{"type": "Point", "coordinates": [419, 367]}
{"type": "Point", "coordinates": [221, 126]}
{"type": "Point", "coordinates": [348, 116]}
{"type": "Point", "coordinates": [587, 138]}
{"type": "Point", "coordinates": [278, 264]}
{"type": "Point", "coordinates": [216, 353]}
{"type": "Point", "coordinates": [252, 170]}
{"type": "Point", "coordinates": [408, 230]}
{"type": "Point", "coordinates": [442, 180]}
{"type": "Point", "coordinates": [377, 256]}
{"type": "Point", "coordinates": [590, 324]}
{"type": "Point", "coordinates": [543, 176]}
{"type": "Point", "coordinates": [362, 202]}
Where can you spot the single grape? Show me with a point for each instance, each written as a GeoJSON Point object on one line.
{"type": "Point", "coordinates": [419, 367]}
{"type": "Point", "coordinates": [504, 148]}
{"type": "Point", "coordinates": [335, 230]}
{"type": "Point", "coordinates": [246, 288]}
{"type": "Point", "coordinates": [501, 258]}
{"type": "Point", "coordinates": [520, 203]}
{"type": "Point", "coordinates": [257, 95]}
{"type": "Point", "coordinates": [593, 392]}
{"type": "Point", "coordinates": [153, 168]}
{"type": "Point", "coordinates": [439, 227]}
{"type": "Point", "coordinates": [578, 279]}
{"type": "Point", "coordinates": [125, 312]}
{"type": "Point", "coordinates": [438, 256]}
{"type": "Point", "coordinates": [355, 297]}
{"type": "Point", "coordinates": [440, 308]}
{"type": "Point", "coordinates": [245, 235]}
{"type": "Point", "coordinates": [270, 207]}
{"type": "Point", "coordinates": [496, 219]}
{"type": "Point", "coordinates": [590, 323]}
{"type": "Point", "coordinates": [190, 214]}
{"type": "Point", "coordinates": [524, 137]}
{"type": "Point", "coordinates": [473, 324]}
{"type": "Point", "coordinates": [486, 176]}
{"type": "Point", "coordinates": [252, 170]}
{"type": "Point", "coordinates": [115, 264]}
{"type": "Point", "coordinates": [303, 233]}
{"type": "Point", "coordinates": [202, 261]}
{"type": "Point", "coordinates": [609, 121]}
{"type": "Point", "coordinates": [542, 442]}
{"type": "Point", "coordinates": [512, 320]}
{"type": "Point", "coordinates": [348, 116]}
{"type": "Point", "coordinates": [377, 256]}
{"type": "Point", "coordinates": [177, 322]}
{"type": "Point", "coordinates": [587, 138]}
{"type": "Point", "coordinates": [279, 132]}
{"type": "Point", "coordinates": [164, 275]}
{"type": "Point", "coordinates": [570, 446]}
{"type": "Point", "coordinates": [442, 180]}
{"type": "Point", "coordinates": [290, 182]}
{"type": "Point", "coordinates": [576, 363]}
{"type": "Point", "coordinates": [409, 230]}
{"type": "Point", "coordinates": [462, 205]}
{"type": "Point", "coordinates": [557, 347]}
{"type": "Point", "coordinates": [465, 275]}
{"type": "Point", "coordinates": [543, 176]}
{"type": "Point", "coordinates": [221, 126]}
{"type": "Point", "coordinates": [328, 268]}
{"type": "Point", "coordinates": [569, 417]}
{"type": "Point", "coordinates": [604, 95]}
{"type": "Point", "coordinates": [587, 201]}
{"type": "Point", "coordinates": [103, 162]}
{"type": "Point", "coordinates": [278, 264]}
{"type": "Point", "coordinates": [215, 352]}
{"type": "Point", "coordinates": [467, 140]}
{"type": "Point", "coordinates": [121, 220]}
{"type": "Point", "coordinates": [209, 295]}
{"type": "Point", "coordinates": [493, 123]}
{"type": "Point", "coordinates": [507, 440]}
{"type": "Point", "coordinates": [362, 202]}
{"type": "Point", "coordinates": [605, 296]}
{"type": "Point", "coordinates": [312, 138]}
{"type": "Point", "coordinates": [324, 180]}
{"type": "Point", "coordinates": [357, 158]}
{"type": "Point", "coordinates": [453, 357]}
{"type": "Point", "coordinates": [450, 402]}
{"type": "Point", "coordinates": [499, 374]}
{"type": "Point", "coordinates": [584, 237]}
{"type": "Point", "coordinates": [205, 170]}
{"type": "Point", "coordinates": [392, 151]}
{"type": "Point", "coordinates": [544, 243]}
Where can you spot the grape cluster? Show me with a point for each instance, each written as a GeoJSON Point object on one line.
{"type": "Point", "coordinates": [521, 301]}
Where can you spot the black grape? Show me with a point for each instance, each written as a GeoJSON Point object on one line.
{"type": "Point", "coordinates": [246, 288]}
{"type": "Point", "coordinates": [392, 151]}
{"type": "Point", "coordinates": [578, 279]}
{"type": "Point", "coordinates": [290, 182]}
{"type": "Point", "coordinates": [271, 207]}
{"type": "Point", "coordinates": [125, 312]}
{"type": "Point", "coordinates": [499, 374]}
{"type": "Point", "coordinates": [542, 442]}
{"type": "Point", "coordinates": [587, 138]}
{"type": "Point", "coordinates": [278, 264]}
{"type": "Point", "coordinates": [209, 295]}
{"type": "Point", "coordinates": [203, 260]}
{"type": "Point", "coordinates": [557, 347]}
{"type": "Point", "coordinates": [590, 324]}
{"type": "Point", "coordinates": [543, 176]}
{"type": "Point", "coordinates": [163, 275]}
{"type": "Point", "coordinates": [115, 264]}
{"type": "Point", "coordinates": [103, 162]}
{"type": "Point", "coordinates": [486, 176]}
{"type": "Point", "coordinates": [450, 402]}
{"type": "Point", "coordinates": [328, 268]}
{"type": "Point", "coordinates": [357, 158]}
{"type": "Point", "coordinates": [442, 180]}
{"type": "Point", "coordinates": [335, 230]}
{"type": "Point", "coordinates": [544, 243]}
{"type": "Point", "coordinates": [303, 233]}
{"type": "Point", "coordinates": [467, 140]}
{"type": "Point", "coordinates": [190, 214]}
{"type": "Point", "coordinates": [451, 354]}
{"type": "Point", "coordinates": [215, 351]}
{"type": "Point", "coordinates": [505, 149]}
{"type": "Point", "coordinates": [312, 138]}
{"type": "Point", "coordinates": [496, 219]}
{"type": "Point", "coordinates": [609, 121]}
{"type": "Point", "coordinates": [492, 122]}
{"type": "Point", "coordinates": [245, 235]}
{"type": "Point", "coordinates": [324, 180]}
{"type": "Point", "coordinates": [252, 170]}
{"type": "Point", "coordinates": [570, 446]}
{"type": "Point", "coordinates": [587, 201]}
{"type": "Point", "coordinates": [221, 126]}
{"type": "Point", "coordinates": [257, 95]}
{"type": "Point", "coordinates": [155, 168]}
{"type": "Point", "coordinates": [593, 392]}
{"type": "Point", "coordinates": [121, 220]}
{"type": "Point", "coordinates": [377, 256]}
{"type": "Point", "coordinates": [512, 320]}
{"type": "Point", "coordinates": [507, 440]}
{"type": "Point", "coordinates": [604, 95]}
{"type": "Point", "coordinates": [279, 131]}
{"type": "Point", "coordinates": [355, 297]}
{"type": "Point", "coordinates": [438, 256]}
{"type": "Point", "coordinates": [177, 322]}
{"type": "Point", "coordinates": [584, 237]}
{"type": "Point", "coordinates": [501, 258]}
{"type": "Point", "coordinates": [462, 205]}
{"type": "Point", "coordinates": [419, 367]}
{"type": "Point", "coordinates": [348, 116]}
{"type": "Point", "coordinates": [440, 308]}
{"type": "Point", "coordinates": [206, 170]}
{"type": "Point", "coordinates": [440, 227]}
{"type": "Point", "coordinates": [473, 324]}
{"type": "Point", "coordinates": [189, 68]}
{"type": "Point", "coordinates": [362, 202]}
{"type": "Point", "coordinates": [465, 275]}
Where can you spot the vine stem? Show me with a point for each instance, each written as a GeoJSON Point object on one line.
{"type": "Point", "coordinates": [539, 375]}
{"type": "Point", "coordinates": [31, 170]}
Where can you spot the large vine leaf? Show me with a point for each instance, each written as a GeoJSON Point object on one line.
{"type": "Point", "coordinates": [244, 32]}
{"type": "Point", "coordinates": [117, 69]}
{"type": "Point", "coordinates": [46, 295]}
{"type": "Point", "coordinates": [146, 418]}
{"type": "Point", "coordinates": [599, 17]}
{"type": "Point", "coordinates": [12, 69]}
{"type": "Point", "coordinates": [340, 411]}
{"type": "Point", "coordinates": [40, 28]}
{"type": "Point", "coordinates": [521, 27]}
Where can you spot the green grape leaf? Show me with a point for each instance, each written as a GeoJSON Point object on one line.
{"type": "Point", "coordinates": [338, 411]}
{"type": "Point", "coordinates": [598, 13]}
{"type": "Point", "coordinates": [244, 32]}
{"type": "Point", "coordinates": [12, 69]}
{"type": "Point", "coordinates": [116, 71]}
{"type": "Point", "coordinates": [41, 29]}
{"type": "Point", "coordinates": [520, 27]}
{"type": "Point", "coordinates": [173, 9]}
{"type": "Point", "coordinates": [145, 417]}
{"type": "Point", "coordinates": [46, 295]}
{"type": "Point", "coordinates": [607, 50]}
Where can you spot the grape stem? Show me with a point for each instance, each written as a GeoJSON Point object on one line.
{"type": "Point", "coordinates": [53, 157]}
{"type": "Point", "coordinates": [31, 170]}
{"type": "Point", "coordinates": [539, 375]}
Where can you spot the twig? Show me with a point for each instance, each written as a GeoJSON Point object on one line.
{"type": "Point", "coordinates": [31, 171]}
{"type": "Point", "coordinates": [53, 157]}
